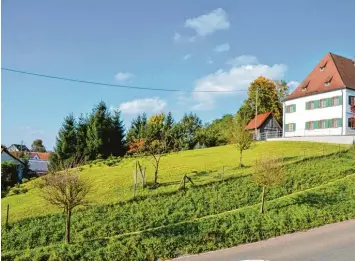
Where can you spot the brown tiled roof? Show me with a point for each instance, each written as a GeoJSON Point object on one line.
{"type": "Point", "coordinates": [339, 69]}
{"type": "Point", "coordinates": [260, 118]}
{"type": "Point", "coordinates": [41, 155]}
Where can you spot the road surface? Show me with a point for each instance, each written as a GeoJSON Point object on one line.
{"type": "Point", "coordinates": [327, 243]}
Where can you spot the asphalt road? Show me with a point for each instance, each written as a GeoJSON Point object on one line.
{"type": "Point", "coordinates": [327, 243]}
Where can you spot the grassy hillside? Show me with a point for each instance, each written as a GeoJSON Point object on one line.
{"type": "Point", "coordinates": [327, 203]}
{"type": "Point", "coordinates": [111, 184]}
{"type": "Point", "coordinates": [151, 212]}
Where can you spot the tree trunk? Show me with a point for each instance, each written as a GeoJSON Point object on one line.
{"type": "Point", "coordinates": [156, 174]}
{"type": "Point", "coordinates": [240, 159]}
{"type": "Point", "coordinates": [67, 227]}
{"type": "Point", "coordinates": [262, 201]}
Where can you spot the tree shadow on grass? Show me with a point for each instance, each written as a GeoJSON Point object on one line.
{"type": "Point", "coordinates": [201, 173]}
{"type": "Point", "coordinates": [316, 200]}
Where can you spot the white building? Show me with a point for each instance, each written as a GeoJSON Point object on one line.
{"type": "Point", "coordinates": [324, 103]}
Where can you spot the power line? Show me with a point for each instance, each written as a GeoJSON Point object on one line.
{"type": "Point", "coordinates": [108, 84]}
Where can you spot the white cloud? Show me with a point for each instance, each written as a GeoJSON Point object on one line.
{"type": "Point", "coordinates": [124, 76]}
{"type": "Point", "coordinates": [148, 105]}
{"type": "Point", "coordinates": [176, 37]}
{"type": "Point", "coordinates": [209, 23]}
{"type": "Point", "coordinates": [236, 78]}
{"type": "Point", "coordinates": [293, 85]}
{"type": "Point", "coordinates": [222, 48]}
{"type": "Point", "coordinates": [187, 56]}
{"type": "Point", "coordinates": [243, 60]}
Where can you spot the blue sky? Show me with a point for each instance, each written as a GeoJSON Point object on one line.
{"type": "Point", "coordinates": [187, 45]}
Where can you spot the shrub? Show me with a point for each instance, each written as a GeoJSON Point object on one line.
{"type": "Point", "coordinates": [17, 190]}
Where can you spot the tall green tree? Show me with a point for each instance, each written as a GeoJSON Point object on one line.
{"type": "Point", "coordinates": [37, 145]}
{"type": "Point", "coordinates": [190, 125]}
{"type": "Point", "coordinates": [81, 133]}
{"type": "Point", "coordinates": [98, 131]}
{"type": "Point", "coordinates": [138, 128]}
{"type": "Point", "coordinates": [65, 147]}
{"type": "Point", "coordinates": [117, 135]}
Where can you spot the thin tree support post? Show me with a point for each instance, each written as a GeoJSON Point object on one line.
{"type": "Point", "coordinates": [262, 201]}
{"type": "Point", "coordinates": [7, 215]}
{"type": "Point", "coordinates": [323, 149]}
{"type": "Point", "coordinates": [135, 181]}
{"type": "Point", "coordinates": [67, 227]}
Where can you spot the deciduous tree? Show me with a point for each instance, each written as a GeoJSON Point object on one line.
{"type": "Point", "coordinates": [240, 137]}
{"type": "Point", "coordinates": [37, 145]}
{"type": "Point", "coordinates": [268, 172]}
{"type": "Point", "coordinates": [66, 190]}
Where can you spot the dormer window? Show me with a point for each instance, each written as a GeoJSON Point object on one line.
{"type": "Point", "coordinates": [322, 66]}
{"type": "Point", "coordinates": [305, 86]}
{"type": "Point", "coordinates": [328, 80]}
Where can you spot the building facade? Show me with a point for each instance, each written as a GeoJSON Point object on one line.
{"type": "Point", "coordinates": [323, 104]}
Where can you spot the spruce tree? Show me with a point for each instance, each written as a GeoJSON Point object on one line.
{"type": "Point", "coordinates": [117, 132]}
{"type": "Point", "coordinates": [98, 131]}
{"type": "Point", "coordinates": [65, 147]}
{"type": "Point", "coordinates": [81, 133]}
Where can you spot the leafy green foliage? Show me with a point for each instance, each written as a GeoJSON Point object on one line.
{"type": "Point", "coordinates": [240, 137]}
{"type": "Point", "coordinates": [8, 173]}
{"type": "Point", "coordinates": [38, 146]}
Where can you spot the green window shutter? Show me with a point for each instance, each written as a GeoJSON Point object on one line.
{"type": "Point", "coordinates": [329, 102]}
{"type": "Point", "coordinates": [340, 100]}
{"type": "Point", "coordinates": [328, 123]}
{"type": "Point", "coordinates": [316, 124]}
{"type": "Point", "coordinates": [340, 122]}
{"type": "Point", "coordinates": [294, 108]}
{"type": "Point", "coordinates": [294, 127]}
{"type": "Point", "coordinates": [306, 126]}
{"type": "Point", "coordinates": [316, 104]}
{"type": "Point", "coordinates": [306, 105]}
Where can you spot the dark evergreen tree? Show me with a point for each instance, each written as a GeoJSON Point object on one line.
{"type": "Point", "coordinates": [98, 131]}
{"type": "Point", "coordinates": [117, 132]}
{"type": "Point", "coordinates": [65, 147]}
{"type": "Point", "coordinates": [138, 129]}
{"type": "Point", "coordinates": [81, 132]}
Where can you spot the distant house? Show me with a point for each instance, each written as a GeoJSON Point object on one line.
{"type": "Point", "coordinates": [18, 148]}
{"type": "Point", "coordinates": [39, 162]}
{"type": "Point", "coordinates": [266, 126]}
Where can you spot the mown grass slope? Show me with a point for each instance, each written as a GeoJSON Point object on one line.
{"type": "Point", "coordinates": [236, 192]}
{"type": "Point", "coordinates": [327, 203]}
{"type": "Point", "coordinates": [111, 184]}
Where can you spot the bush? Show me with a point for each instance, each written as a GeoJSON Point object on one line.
{"type": "Point", "coordinates": [8, 174]}
{"type": "Point", "coordinates": [17, 190]}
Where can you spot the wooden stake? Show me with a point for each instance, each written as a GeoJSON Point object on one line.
{"type": "Point", "coordinates": [7, 215]}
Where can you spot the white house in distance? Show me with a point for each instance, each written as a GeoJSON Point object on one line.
{"type": "Point", "coordinates": [323, 104]}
